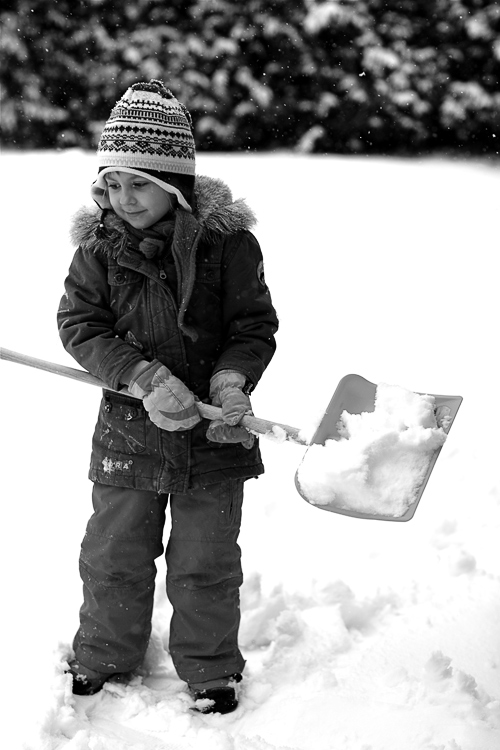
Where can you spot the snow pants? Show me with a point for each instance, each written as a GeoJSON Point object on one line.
{"type": "Point", "coordinates": [123, 538]}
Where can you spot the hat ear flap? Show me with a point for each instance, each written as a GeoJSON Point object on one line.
{"type": "Point", "coordinates": [100, 195]}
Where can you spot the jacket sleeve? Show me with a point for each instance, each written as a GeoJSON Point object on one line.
{"type": "Point", "coordinates": [249, 318]}
{"type": "Point", "coordinates": [86, 323]}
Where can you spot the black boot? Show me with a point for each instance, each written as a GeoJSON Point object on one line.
{"type": "Point", "coordinates": [86, 681]}
{"type": "Point", "coordinates": [216, 696]}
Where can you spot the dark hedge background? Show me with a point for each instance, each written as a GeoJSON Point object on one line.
{"type": "Point", "coordinates": [346, 76]}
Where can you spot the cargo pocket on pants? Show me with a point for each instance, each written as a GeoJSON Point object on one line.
{"type": "Point", "coordinates": [230, 503]}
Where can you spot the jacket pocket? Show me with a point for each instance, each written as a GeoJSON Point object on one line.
{"type": "Point", "coordinates": [121, 426]}
{"type": "Point", "coordinates": [230, 503]}
{"type": "Point", "coordinates": [205, 307]}
{"type": "Point", "coordinates": [125, 287]}
{"type": "Point", "coordinates": [208, 273]}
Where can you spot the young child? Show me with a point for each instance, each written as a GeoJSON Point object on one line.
{"type": "Point", "coordinates": [166, 302]}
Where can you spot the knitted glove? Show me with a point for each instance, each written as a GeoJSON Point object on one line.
{"type": "Point", "coordinates": [226, 391]}
{"type": "Point", "coordinates": [169, 403]}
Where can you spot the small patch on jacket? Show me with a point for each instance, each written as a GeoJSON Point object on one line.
{"type": "Point", "coordinates": [115, 467]}
{"type": "Point", "coordinates": [260, 274]}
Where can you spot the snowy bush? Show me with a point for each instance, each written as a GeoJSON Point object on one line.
{"type": "Point", "coordinates": [372, 76]}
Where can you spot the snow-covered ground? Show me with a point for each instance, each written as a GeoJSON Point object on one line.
{"type": "Point", "coordinates": [359, 635]}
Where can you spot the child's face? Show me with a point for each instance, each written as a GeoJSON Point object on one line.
{"type": "Point", "coordinates": [137, 200]}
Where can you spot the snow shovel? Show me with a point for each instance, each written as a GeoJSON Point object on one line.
{"type": "Point", "coordinates": [207, 411]}
{"type": "Point", "coordinates": [355, 395]}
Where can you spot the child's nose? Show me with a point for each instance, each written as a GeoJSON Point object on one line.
{"type": "Point", "coordinates": [126, 197]}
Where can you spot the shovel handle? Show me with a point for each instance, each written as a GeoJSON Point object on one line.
{"type": "Point", "coordinates": [254, 424]}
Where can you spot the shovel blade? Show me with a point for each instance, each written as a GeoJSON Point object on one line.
{"type": "Point", "coordinates": [356, 395]}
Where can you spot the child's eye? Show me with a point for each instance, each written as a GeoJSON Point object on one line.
{"type": "Point", "coordinates": [140, 184]}
{"type": "Point", "coordinates": [112, 185]}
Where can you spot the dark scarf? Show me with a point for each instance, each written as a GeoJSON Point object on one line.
{"type": "Point", "coordinates": [182, 233]}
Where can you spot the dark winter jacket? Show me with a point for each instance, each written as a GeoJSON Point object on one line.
{"type": "Point", "coordinates": [199, 310]}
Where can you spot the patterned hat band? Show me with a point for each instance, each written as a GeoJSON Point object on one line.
{"type": "Point", "coordinates": [148, 129]}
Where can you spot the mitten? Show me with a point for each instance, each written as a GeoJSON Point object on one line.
{"type": "Point", "coordinates": [226, 391]}
{"type": "Point", "coordinates": [220, 432]}
{"type": "Point", "coordinates": [169, 403]}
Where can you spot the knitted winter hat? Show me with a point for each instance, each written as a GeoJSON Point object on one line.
{"type": "Point", "coordinates": [149, 134]}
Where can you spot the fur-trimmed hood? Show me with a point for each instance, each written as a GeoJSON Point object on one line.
{"type": "Point", "coordinates": [215, 212]}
